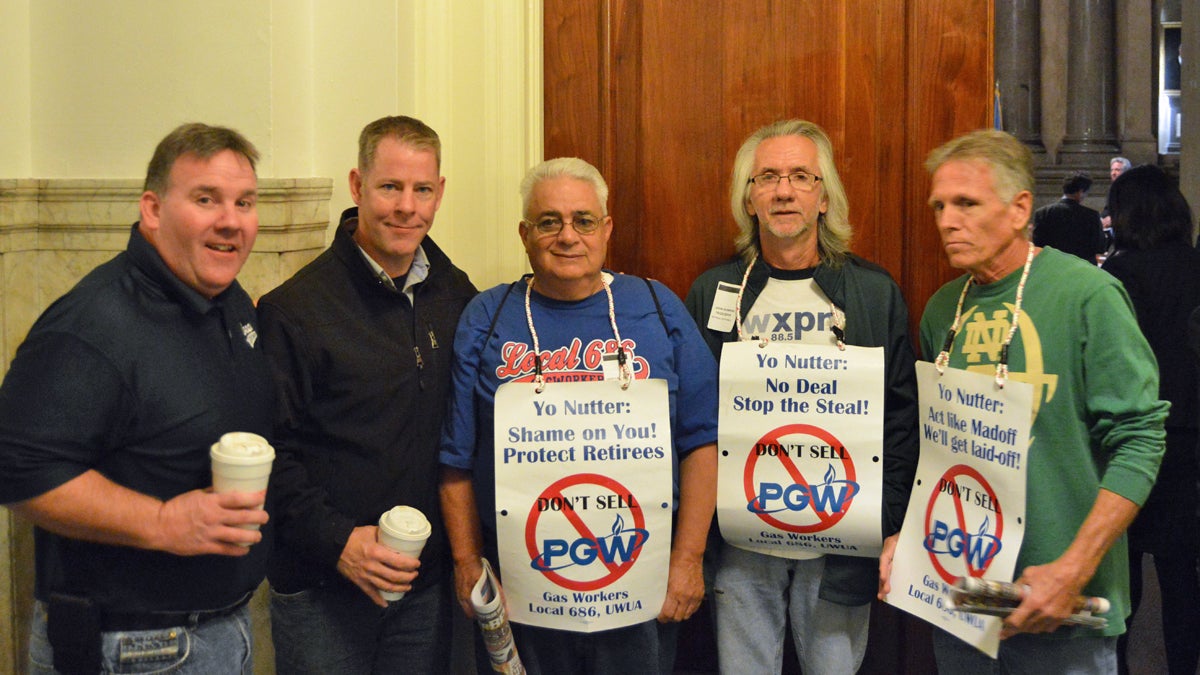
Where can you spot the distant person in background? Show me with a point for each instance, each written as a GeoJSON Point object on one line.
{"type": "Point", "coordinates": [1155, 260]}
{"type": "Point", "coordinates": [1116, 167]}
{"type": "Point", "coordinates": [1068, 225]}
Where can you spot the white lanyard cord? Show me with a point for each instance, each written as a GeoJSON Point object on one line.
{"type": "Point", "coordinates": [624, 369]}
{"type": "Point", "coordinates": [943, 357]}
{"type": "Point", "coordinates": [838, 327]}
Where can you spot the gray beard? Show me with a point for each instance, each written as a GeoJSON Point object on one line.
{"type": "Point", "coordinates": [794, 235]}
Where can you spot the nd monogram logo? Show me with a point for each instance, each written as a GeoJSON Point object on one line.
{"type": "Point", "coordinates": [983, 336]}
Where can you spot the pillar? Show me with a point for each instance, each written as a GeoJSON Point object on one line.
{"type": "Point", "coordinates": [1018, 69]}
{"type": "Point", "coordinates": [1091, 121]}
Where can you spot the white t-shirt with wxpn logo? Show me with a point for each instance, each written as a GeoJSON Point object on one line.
{"type": "Point", "coordinates": [791, 310]}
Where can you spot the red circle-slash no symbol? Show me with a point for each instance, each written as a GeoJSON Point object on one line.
{"type": "Point", "coordinates": [555, 490]}
{"type": "Point", "coordinates": [825, 520]}
{"type": "Point", "coordinates": [961, 519]}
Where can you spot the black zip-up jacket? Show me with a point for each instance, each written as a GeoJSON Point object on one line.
{"type": "Point", "coordinates": [362, 377]}
{"type": "Point", "coordinates": [876, 316]}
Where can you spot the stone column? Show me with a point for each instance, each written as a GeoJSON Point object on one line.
{"type": "Point", "coordinates": [1189, 153]}
{"type": "Point", "coordinates": [18, 225]}
{"type": "Point", "coordinates": [1091, 77]}
{"type": "Point", "coordinates": [1018, 70]}
{"type": "Point", "coordinates": [1137, 84]}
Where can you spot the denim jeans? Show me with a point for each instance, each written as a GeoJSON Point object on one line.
{"type": "Point", "coordinates": [754, 595]}
{"type": "Point", "coordinates": [646, 648]}
{"type": "Point", "coordinates": [1030, 653]}
{"type": "Point", "coordinates": [339, 630]}
{"type": "Point", "coordinates": [220, 645]}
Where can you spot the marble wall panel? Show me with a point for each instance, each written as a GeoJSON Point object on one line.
{"type": "Point", "coordinates": [18, 214]}
{"type": "Point", "coordinates": [19, 294]}
{"type": "Point", "coordinates": [8, 638]}
{"type": "Point", "coordinates": [260, 274]}
{"type": "Point", "coordinates": [52, 232]}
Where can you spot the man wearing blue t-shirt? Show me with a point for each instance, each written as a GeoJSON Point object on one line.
{"type": "Point", "coordinates": [567, 312]}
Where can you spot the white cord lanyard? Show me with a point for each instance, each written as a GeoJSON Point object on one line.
{"type": "Point", "coordinates": [943, 357]}
{"type": "Point", "coordinates": [837, 327]}
{"type": "Point", "coordinates": [624, 369]}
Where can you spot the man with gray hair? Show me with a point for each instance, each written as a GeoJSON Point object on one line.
{"type": "Point", "coordinates": [1064, 326]}
{"type": "Point", "coordinates": [1116, 167]}
{"type": "Point", "coordinates": [107, 415]}
{"type": "Point", "coordinates": [794, 261]}
{"type": "Point", "coordinates": [572, 321]}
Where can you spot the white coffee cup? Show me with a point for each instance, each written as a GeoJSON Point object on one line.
{"type": "Point", "coordinates": [241, 462]}
{"type": "Point", "coordinates": [404, 530]}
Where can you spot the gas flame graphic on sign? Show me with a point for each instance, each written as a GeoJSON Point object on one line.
{"type": "Point", "coordinates": [618, 547]}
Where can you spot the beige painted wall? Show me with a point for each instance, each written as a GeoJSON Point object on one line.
{"type": "Point", "coordinates": [88, 88]}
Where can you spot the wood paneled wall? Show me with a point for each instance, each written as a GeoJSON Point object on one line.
{"type": "Point", "coordinates": [659, 94]}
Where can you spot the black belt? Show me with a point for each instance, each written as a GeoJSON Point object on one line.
{"type": "Point", "coordinates": [130, 621]}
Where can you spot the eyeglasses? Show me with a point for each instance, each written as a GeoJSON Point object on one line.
{"type": "Point", "coordinates": [549, 225]}
{"type": "Point", "coordinates": [802, 181]}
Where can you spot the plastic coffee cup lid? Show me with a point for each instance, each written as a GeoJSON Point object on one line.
{"type": "Point", "coordinates": [405, 521]}
{"type": "Point", "coordinates": [242, 447]}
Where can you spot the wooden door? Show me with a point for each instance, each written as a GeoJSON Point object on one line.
{"type": "Point", "coordinates": [659, 94]}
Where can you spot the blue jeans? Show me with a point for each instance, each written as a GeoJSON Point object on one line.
{"type": "Point", "coordinates": [1027, 653]}
{"type": "Point", "coordinates": [646, 648]}
{"type": "Point", "coordinates": [339, 630]}
{"type": "Point", "coordinates": [220, 645]}
{"type": "Point", "coordinates": [755, 594]}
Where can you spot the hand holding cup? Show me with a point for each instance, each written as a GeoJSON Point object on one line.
{"type": "Point", "coordinates": [241, 462]}
{"type": "Point", "coordinates": [404, 530]}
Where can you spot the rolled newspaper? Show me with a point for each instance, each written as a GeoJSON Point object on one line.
{"type": "Point", "coordinates": [493, 623]}
{"type": "Point", "coordinates": [1000, 598]}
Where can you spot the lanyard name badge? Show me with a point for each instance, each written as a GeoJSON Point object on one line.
{"type": "Point", "coordinates": [583, 496]}
{"type": "Point", "coordinates": [724, 312]}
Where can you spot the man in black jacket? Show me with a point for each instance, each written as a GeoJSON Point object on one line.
{"type": "Point", "coordinates": [359, 343]}
{"type": "Point", "coordinates": [1068, 225]}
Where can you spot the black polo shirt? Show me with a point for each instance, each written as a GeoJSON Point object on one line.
{"type": "Point", "coordinates": [134, 374]}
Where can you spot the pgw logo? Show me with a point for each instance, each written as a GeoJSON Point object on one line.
{"type": "Point", "coordinates": [618, 547]}
{"type": "Point", "coordinates": [979, 548]}
{"type": "Point", "coordinates": [831, 496]}
{"type": "Point", "coordinates": [956, 546]}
